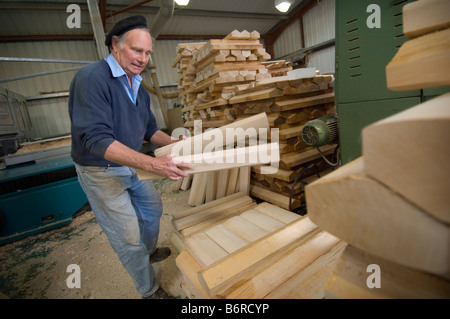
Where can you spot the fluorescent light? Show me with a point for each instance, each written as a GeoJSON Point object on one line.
{"type": "Point", "coordinates": [282, 5]}
{"type": "Point", "coordinates": [182, 2]}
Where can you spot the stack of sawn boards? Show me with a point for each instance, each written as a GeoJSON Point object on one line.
{"type": "Point", "coordinates": [222, 81]}
{"type": "Point", "coordinates": [236, 249]}
{"type": "Point", "coordinates": [392, 205]}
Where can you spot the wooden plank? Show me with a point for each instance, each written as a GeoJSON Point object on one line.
{"type": "Point", "coordinates": [217, 219]}
{"type": "Point", "coordinates": [223, 159]}
{"type": "Point", "coordinates": [190, 267]}
{"type": "Point", "coordinates": [187, 221]}
{"type": "Point", "coordinates": [245, 229]}
{"type": "Point", "coordinates": [425, 16]}
{"type": "Point", "coordinates": [231, 187]}
{"type": "Point", "coordinates": [222, 183]}
{"type": "Point", "coordinates": [257, 95]}
{"type": "Point", "coordinates": [421, 63]}
{"type": "Point", "coordinates": [288, 161]}
{"type": "Point", "coordinates": [198, 190]}
{"type": "Point", "coordinates": [244, 179]}
{"type": "Point", "coordinates": [225, 238]}
{"type": "Point", "coordinates": [204, 250]}
{"type": "Point", "coordinates": [416, 159]}
{"type": "Point", "coordinates": [228, 271]}
{"type": "Point", "coordinates": [273, 197]}
{"type": "Point", "coordinates": [277, 213]}
{"type": "Point", "coordinates": [296, 258]}
{"type": "Point", "coordinates": [309, 283]}
{"type": "Point", "coordinates": [349, 280]}
{"type": "Point", "coordinates": [198, 142]}
{"type": "Point", "coordinates": [347, 201]}
{"type": "Point", "coordinates": [263, 221]}
{"type": "Point", "coordinates": [211, 186]}
{"type": "Point", "coordinates": [292, 104]}
{"type": "Point", "coordinates": [187, 212]}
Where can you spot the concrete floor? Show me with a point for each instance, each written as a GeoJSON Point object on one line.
{"type": "Point", "coordinates": [36, 267]}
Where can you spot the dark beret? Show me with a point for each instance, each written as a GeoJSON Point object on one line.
{"type": "Point", "coordinates": [125, 25]}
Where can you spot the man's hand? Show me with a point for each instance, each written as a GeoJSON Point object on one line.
{"type": "Point", "coordinates": [167, 167]}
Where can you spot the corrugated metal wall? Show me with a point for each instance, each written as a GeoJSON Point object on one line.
{"type": "Point", "coordinates": [49, 116]}
{"type": "Point", "coordinates": [289, 41]}
{"type": "Point", "coordinates": [318, 27]}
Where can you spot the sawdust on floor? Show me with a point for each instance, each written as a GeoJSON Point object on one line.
{"type": "Point", "coordinates": [36, 267]}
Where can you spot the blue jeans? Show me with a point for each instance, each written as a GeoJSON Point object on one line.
{"type": "Point", "coordinates": [128, 211]}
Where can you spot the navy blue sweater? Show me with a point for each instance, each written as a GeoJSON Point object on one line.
{"type": "Point", "coordinates": [101, 113]}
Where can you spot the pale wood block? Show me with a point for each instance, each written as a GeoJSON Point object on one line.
{"type": "Point", "coordinates": [409, 153]}
{"type": "Point", "coordinates": [245, 229]}
{"type": "Point", "coordinates": [425, 16]}
{"type": "Point", "coordinates": [368, 215]}
{"type": "Point", "coordinates": [261, 220]}
{"type": "Point", "coordinates": [277, 212]}
{"type": "Point", "coordinates": [225, 238]}
{"type": "Point", "coordinates": [244, 180]}
{"type": "Point", "coordinates": [204, 250]}
{"type": "Point", "coordinates": [349, 279]}
{"type": "Point", "coordinates": [420, 63]}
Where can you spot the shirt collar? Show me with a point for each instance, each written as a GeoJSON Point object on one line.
{"type": "Point", "coordinates": [117, 70]}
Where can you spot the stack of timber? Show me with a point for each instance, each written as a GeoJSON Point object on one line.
{"type": "Point", "coordinates": [234, 79]}
{"type": "Point", "coordinates": [289, 104]}
{"type": "Point", "coordinates": [234, 248]}
{"type": "Point", "coordinates": [391, 205]}
{"type": "Point", "coordinates": [210, 68]}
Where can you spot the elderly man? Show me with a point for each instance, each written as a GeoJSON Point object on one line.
{"type": "Point", "coordinates": [110, 117]}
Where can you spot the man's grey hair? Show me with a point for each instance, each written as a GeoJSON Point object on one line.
{"type": "Point", "coordinates": [121, 38]}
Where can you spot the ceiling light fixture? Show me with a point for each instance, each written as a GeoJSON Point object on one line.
{"type": "Point", "coordinates": [182, 2]}
{"type": "Point", "coordinates": [283, 5]}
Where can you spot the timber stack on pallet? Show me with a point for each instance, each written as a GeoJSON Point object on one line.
{"type": "Point", "coordinates": [234, 80]}
{"type": "Point", "coordinates": [236, 249]}
{"type": "Point", "coordinates": [391, 205]}
{"type": "Point", "coordinates": [289, 104]}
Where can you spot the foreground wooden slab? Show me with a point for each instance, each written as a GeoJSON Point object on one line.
{"type": "Point", "coordinates": [350, 277]}
{"type": "Point", "coordinates": [409, 153]}
{"type": "Point", "coordinates": [425, 16]}
{"type": "Point", "coordinates": [363, 212]}
{"type": "Point", "coordinates": [421, 63]}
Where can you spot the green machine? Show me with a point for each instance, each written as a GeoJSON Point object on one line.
{"type": "Point", "coordinates": [368, 35]}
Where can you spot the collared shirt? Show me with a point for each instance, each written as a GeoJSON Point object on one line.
{"type": "Point", "coordinates": [119, 73]}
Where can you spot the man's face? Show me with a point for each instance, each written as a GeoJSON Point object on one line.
{"type": "Point", "coordinates": [134, 53]}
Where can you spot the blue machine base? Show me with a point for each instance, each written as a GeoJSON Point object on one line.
{"type": "Point", "coordinates": [39, 208]}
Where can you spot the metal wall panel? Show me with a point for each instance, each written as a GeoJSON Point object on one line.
{"type": "Point", "coordinates": [289, 41]}
{"type": "Point", "coordinates": [323, 60]}
{"type": "Point", "coordinates": [319, 23]}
